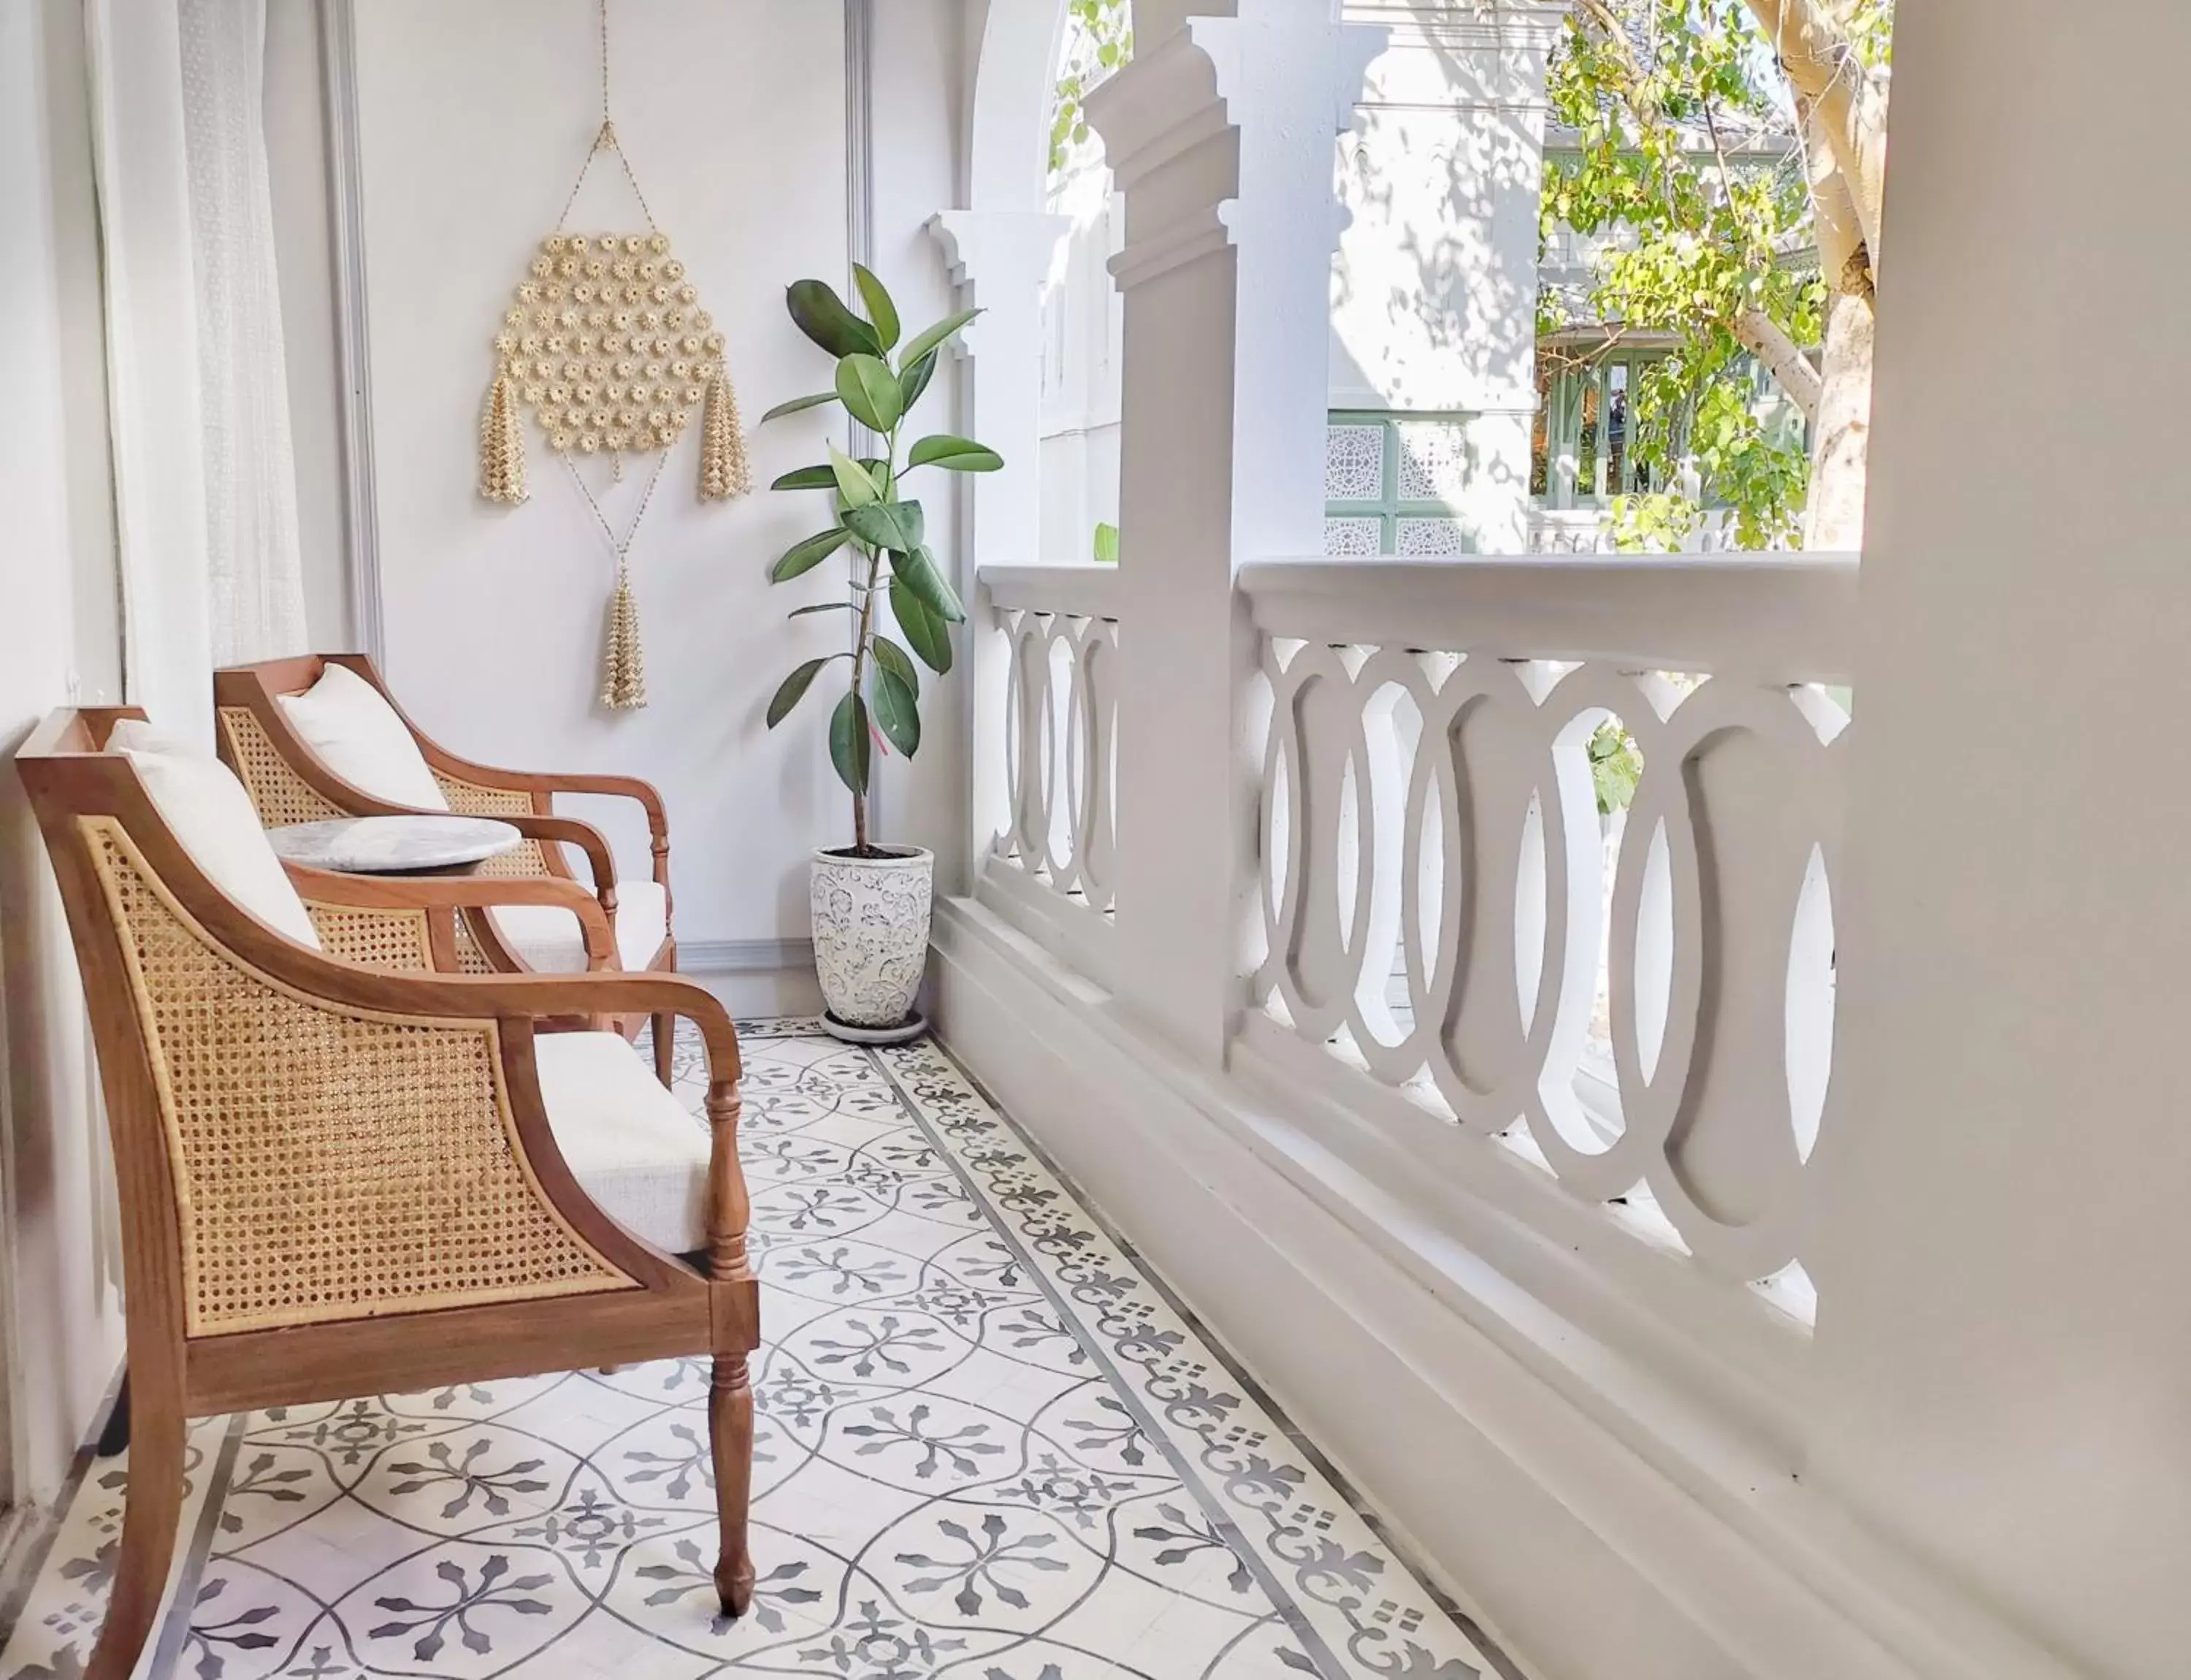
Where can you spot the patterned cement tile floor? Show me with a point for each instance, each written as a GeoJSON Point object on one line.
{"type": "Point", "coordinates": [989, 1446]}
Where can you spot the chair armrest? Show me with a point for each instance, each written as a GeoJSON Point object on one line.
{"type": "Point", "coordinates": [586, 837]}
{"type": "Point", "coordinates": [549, 782]}
{"type": "Point", "coordinates": [460, 892]}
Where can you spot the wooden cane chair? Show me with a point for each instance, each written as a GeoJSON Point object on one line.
{"type": "Point", "coordinates": [337, 1179]}
{"type": "Point", "coordinates": [289, 782]}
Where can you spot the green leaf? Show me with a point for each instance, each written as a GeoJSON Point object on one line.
{"type": "Point", "coordinates": [793, 689]}
{"type": "Point", "coordinates": [797, 403]}
{"type": "Point", "coordinates": [897, 711]}
{"type": "Point", "coordinates": [880, 309]}
{"type": "Point", "coordinates": [804, 556]}
{"type": "Point", "coordinates": [929, 340]}
{"type": "Point", "coordinates": [895, 526]}
{"type": "Point", "coordinates": [850, 748]}
{"type": "Point", "coordinates": [854, 483]}
{"type": "Point", "coordinates": [892, 658]}
{"type": "Point", "coordinates": [913, 380]}
{"type": "Point", "coordinates": [821, 314]}
{"type": "Point", "coordinates": [917, 568]}
{"type": "Point", "coordinates": [923, 627]}
{"type": "Point", "coordinates": [821, 606]}
{"type": "Point", "coordinates": [870, 391]}
{"type": "Point", "coordinates": [807, 478]}
{"type": "Point", "coordinates": [954, 454]}
{"type": "Point", "coordinates": [1106, 544]}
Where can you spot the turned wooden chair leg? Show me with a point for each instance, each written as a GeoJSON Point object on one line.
{"type": "Point", "coordinates": [665, 1046]}
{"type": "Point", "coordinates": [149, 1519]}
{"type": "Point", "coordinates": [730, 1435]}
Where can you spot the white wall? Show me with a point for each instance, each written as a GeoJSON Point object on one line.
{"type": "Point", "coordinates": [57, 584]}
{"type": "Point", "coordinates": [2004, 1338]}
{"type": "Point", "coordinates": [474, 120]}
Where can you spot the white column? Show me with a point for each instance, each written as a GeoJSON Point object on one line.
{"type": "Point", "coordinates": [1219, 136]}
{"type": "Point", "coordinates": [999, 260]}
{"type": "Point", "coordinates": [1441, 176]}
{"type": "Point", "coordinates": [2004, 1337]}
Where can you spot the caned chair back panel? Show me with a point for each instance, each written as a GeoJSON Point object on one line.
{"type": "Point", "coordinates": [282, 795]}
{"type": "Point", "coordinates": [329, 1162]}
{"type": "Point", "coordinates": [398, 941]}
{"type": "Point", "coordinates": [469, 799]}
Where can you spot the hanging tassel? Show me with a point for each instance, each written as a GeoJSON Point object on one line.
{"type": "Point", "coordinates": [724, 469]}
{"type": "Point", "coordinates": [623, 675]}
{"type": "Point", "coordinates": [501, 445]}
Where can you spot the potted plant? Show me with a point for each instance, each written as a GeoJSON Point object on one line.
{"type": "Point", "coordinates": [871, 901]}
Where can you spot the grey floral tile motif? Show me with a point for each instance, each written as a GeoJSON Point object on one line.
{"type": "Point", "coordinates": [988, 1448]}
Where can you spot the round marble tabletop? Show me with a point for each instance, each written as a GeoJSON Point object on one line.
{"type": "Point", "coordinates": [393, 846]}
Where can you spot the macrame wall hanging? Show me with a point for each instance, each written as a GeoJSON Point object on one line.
{"type": "Point", "coordinates": [608, 347]}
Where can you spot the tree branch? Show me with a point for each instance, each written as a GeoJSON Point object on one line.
{"type": "Point", "coordinates": [1764, 338]}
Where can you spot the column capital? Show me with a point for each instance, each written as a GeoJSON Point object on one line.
{"type": "Point", "coordinates": [998, 260]}
{"type": "Point", "coordinates": [1215, 124]}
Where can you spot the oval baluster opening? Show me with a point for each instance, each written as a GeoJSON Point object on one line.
{"type": "Point", "coordinates": [1061, 753]}
{"type": "Point", "coordinates": [1392, 728]}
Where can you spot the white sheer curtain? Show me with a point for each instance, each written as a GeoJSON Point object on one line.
{"type": "Point", "coordinates": [255, 592]}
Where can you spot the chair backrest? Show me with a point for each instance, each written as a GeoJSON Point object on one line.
{"type": "Point", "coordinates": [287, 780]}
{"type": "Point", "coordinates": [293, 1144]}
{"type": "Point", "coordinates": [290, 782]}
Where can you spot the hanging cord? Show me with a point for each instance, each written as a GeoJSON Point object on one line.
{"type": "Point", "coordinates": [605, 140]}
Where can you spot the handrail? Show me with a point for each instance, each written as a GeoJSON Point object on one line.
{"type": "Point", "coordinates": [1782, 618]}
{"type": "Point", "coordinates": [1084, 589]}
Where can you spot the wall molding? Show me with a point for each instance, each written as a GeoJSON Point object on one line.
{"type": "Point", "coordinates": [353, 345]}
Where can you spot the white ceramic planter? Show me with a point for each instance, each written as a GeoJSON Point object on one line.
{"type": "Point", "coordinates": [871, 934]}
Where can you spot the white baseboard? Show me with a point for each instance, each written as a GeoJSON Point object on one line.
{"type": "Point", "coordinates": [1505, 1445]}
{"type": "Point", "coordinates": [754, 977]}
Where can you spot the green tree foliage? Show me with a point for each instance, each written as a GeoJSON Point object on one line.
{"type": "Point", "coordinates": [1099, 38]}
{"type": "Point", "coordinates": [1691, 157]}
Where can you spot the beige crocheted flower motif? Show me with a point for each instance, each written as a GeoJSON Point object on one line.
{"type": "Point", "coordinates": [606, 344]}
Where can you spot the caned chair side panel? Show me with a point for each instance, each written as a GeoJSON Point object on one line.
{"type": "Point", "coordinates": [397, 941]}
{"type": "Point", "coordinates": [330, 1162]}
{"type": "Point", "coordinates": [282, 795]}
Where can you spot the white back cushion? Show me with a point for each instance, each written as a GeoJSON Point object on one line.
{"type": "Point", "coordinates": [348, 722]}
{"type": "Point", "coordinates": [211, 817]}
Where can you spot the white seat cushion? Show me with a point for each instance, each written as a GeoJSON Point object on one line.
{"type": "Point", "coordinates": [210, 815]}
{"type": "Point", "coordinates": [552, 942]}
{"type": "Point", "coordinates": [349, 723]}
{"type": "Point", "coordinates": [629, 1142]}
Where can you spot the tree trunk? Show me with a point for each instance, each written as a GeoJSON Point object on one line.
{"type": "Point", "coordinates": [1849, 101]}
{"type": "Point", "coordinates": [1841, 431]}
{"type": "Point", "coordinates": [1840, 427]}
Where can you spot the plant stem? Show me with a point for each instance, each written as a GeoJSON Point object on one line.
{"type": "Point", "coordinates": [866, 637]}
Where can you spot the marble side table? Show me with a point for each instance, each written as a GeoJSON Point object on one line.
{"type": "Point", "coordinates": [394, 845]}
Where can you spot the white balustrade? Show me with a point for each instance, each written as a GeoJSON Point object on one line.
{"type": "Point", "coordinates": [1643, 1006]}
{"type": "Point", "coordinates": [1055, 851]}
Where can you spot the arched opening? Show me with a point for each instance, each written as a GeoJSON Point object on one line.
{"type": "Point", "coordinates": [1084, 318]}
